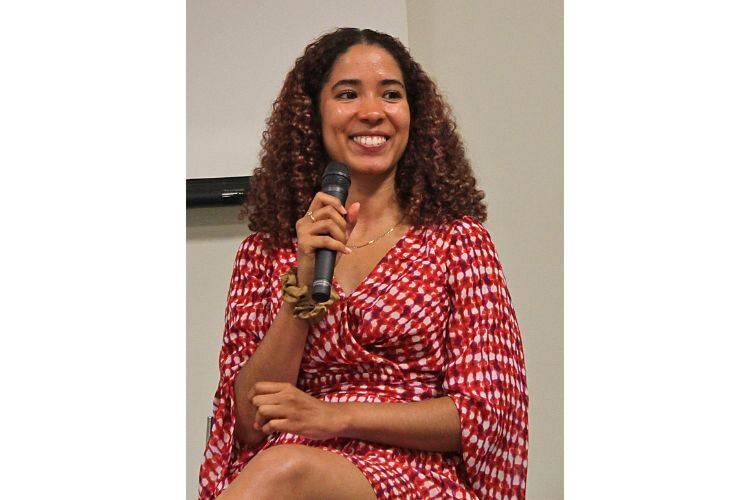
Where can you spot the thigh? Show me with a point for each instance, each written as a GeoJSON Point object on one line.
{"type": "Point", "coordinates": [299, 471]}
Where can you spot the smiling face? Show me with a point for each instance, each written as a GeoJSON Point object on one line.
{"type": "Point", "coordinates": [364, 112]}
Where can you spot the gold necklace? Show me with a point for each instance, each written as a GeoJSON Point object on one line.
{"type": "Point", "coordinates": [355, 247]}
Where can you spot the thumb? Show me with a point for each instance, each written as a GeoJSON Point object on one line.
{"type": "Point", "coordinates": [351, 218]}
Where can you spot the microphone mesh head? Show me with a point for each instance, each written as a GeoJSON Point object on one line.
{"type": "Point", "coordinates": [336, 174]}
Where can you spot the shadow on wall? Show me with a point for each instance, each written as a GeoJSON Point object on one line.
{"type": "Point", "coordinates": [215, 222]}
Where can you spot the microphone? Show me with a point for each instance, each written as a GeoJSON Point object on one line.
{"type": "Point", "coordinates": [336, 181]}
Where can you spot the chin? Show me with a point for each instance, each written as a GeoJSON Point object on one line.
{"type": "Point", "coordinates": [371, 164]}
{"type": "Point", "coordinates": [371, 169]}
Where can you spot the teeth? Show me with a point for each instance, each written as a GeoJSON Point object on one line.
{"type": "Point", "coordinates": [369, 140]}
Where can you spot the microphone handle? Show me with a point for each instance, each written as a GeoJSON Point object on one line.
{"type": "Point", "coordinates": [325, 259]}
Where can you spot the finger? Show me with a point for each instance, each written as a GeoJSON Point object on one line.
{"type": "Point", "coordinates": [266, 413]}
{"type": "Point", "coordinates": [276, 425]}
{"type": "Point", "coordinates": [329, 228]}
{"type": "Point", "coordinates": [317, 242]}
{"type": "Point", "coordinates": [269, 412]}
{"type": "Point", "coordinates": [322, 221]}
{"type": "Point", "coordinates": [267, 387]}
{"type": "Point", "coordinates": [322, 199]}
{"type": "Point", "coordinates": [329, 212]}
{"type": "Point", "coordinates": [252, 393]}
{"type": "Point", "coordinates": [272, 398]}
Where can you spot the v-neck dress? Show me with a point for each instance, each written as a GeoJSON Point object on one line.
{"type": "Point", "coordinates": [434, 318]}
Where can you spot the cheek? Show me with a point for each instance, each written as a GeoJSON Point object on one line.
{"type": "Point", "coordinates": [334, 118]}
{"type": "Point", "coordinates": [406, 123]}
{"type": "Point", "coordinates": [402, 119]}
{"type": "Point", "coordinates": [330, 125]}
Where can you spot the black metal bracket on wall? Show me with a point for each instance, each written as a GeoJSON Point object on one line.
{"type": "Point", "coordinates": [217, 191]}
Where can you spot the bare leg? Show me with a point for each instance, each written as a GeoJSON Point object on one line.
{"type": "Point", "coordinates": [294, 471]}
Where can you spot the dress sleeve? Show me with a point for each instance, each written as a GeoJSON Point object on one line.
{"type": "Point", "coordinates": [485, 374]}
{"type": "Point", "coordinates": [248, 316]}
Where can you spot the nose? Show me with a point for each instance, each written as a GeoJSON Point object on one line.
{"type": "Point", "coordinates": [371, 110]}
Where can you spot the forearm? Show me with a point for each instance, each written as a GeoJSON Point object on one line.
{"type": "Point", "coordinates": [430, 425]}
{"type": "Point", "coordinates": [277, 358]}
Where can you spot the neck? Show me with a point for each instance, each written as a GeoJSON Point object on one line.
{"type": "Point", "coordinates": [377, 198]}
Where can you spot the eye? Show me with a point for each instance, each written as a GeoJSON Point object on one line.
{"type": "Point", "coordinates": [346, 95]}
{"type": "Point", "coordinates": [392, 95]}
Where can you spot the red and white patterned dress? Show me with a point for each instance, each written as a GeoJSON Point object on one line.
{"type": "Point", "coordinates": [434, 318]}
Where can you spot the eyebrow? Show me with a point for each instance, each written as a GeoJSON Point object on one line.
{"type": "Point", "coordinates": [353, 82]}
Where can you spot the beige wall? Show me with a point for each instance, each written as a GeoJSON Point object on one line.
{"type": "Point", "coordinates": [500, 66]}
{"type": "Point", "coordinates": [239, 52]}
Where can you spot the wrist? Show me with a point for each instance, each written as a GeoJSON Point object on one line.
{"type": "Point", "coordinates": [300, 296]}
{"type": "Point", "coordinates": [346, 420]}
{"type": "Point", "coordinates": [298, 324]}
{"type": "Point", "coordinates": [304, 277]}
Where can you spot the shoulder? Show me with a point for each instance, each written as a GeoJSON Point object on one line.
{"type": "Point", "coordinates": [460, 242]}
{"type": "Point", "coordinates": [255, 243]}
{"type": "Point", "coordinates": [258, 249]}
{"type": "Point", "coordinates": [465, 231]}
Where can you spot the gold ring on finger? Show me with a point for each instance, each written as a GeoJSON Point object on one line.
{"type": "Point", "coordinates": [312, 217]}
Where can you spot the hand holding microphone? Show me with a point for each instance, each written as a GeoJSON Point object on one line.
{"type": "Point", "coordinates": [323, 231]}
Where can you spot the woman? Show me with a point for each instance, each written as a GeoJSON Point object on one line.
{"type": "Point", "coordinates": [411, 384]}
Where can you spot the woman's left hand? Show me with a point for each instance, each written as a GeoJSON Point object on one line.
{"type": "Point", "coordinates": [282, 407]}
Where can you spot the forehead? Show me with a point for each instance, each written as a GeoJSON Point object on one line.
{"type": "Point", "coordinates": [361, 61]}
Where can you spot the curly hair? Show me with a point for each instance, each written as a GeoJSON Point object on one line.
{"type": "Point", "coordinates": [434, 181]}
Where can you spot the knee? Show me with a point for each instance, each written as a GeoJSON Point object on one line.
{"type": "Point", "coordinates": [282, 471]}
{"type": "Point", "coordinates": [283, 464]}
